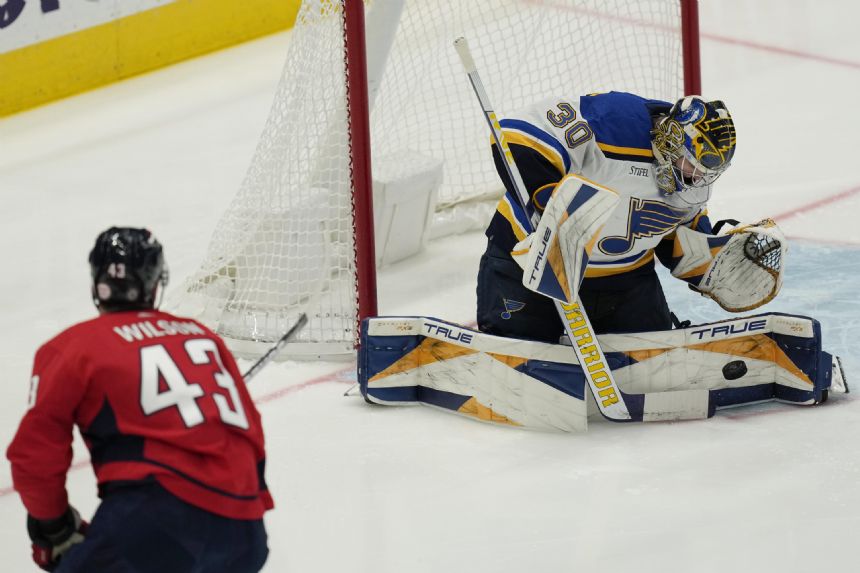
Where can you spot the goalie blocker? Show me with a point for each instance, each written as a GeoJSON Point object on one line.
{"type": "Point", "coordinates": [666, 375]}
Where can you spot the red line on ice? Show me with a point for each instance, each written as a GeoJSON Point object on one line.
{"type": "Point", "coordinates": [333, 377]}
{"type": "Point", "coordinates": [782, 51]}
{"type": "Point", "coordinates": [817, 204]}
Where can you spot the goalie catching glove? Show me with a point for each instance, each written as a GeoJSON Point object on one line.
{"type": "Point", "coordinates": [554, 257]}
{"type": "Point", "coordinates": [740, 270]}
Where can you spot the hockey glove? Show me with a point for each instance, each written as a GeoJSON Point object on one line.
{"type": "Point", "coordinates": [53, 537]}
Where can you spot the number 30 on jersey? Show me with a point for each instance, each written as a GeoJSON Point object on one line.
{"type": "Point", "coordinates": [576, 134]}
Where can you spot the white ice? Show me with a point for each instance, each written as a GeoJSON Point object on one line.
{"type": "Point", "coordinates": [361, 488]}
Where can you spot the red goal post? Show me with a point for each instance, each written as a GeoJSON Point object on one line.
{"type": "Point", "coordinates": [373, 107]}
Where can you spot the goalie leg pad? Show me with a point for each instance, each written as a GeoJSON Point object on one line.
{"type": "Point", "coordinates": [666, 375]}
{"type": "Point", "coordinates": [494, 379]}
{"type": "Point", "coordinates": [751, 359]}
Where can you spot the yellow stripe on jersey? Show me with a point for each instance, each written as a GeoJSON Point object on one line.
{"type": "Point", "coordinates": [548, 153]}
{"type": "Point", "coordinates": [541, 188]}
{"type": "Point", "coordinates": [625, 150]}
{"type": "Point", "coordinates": [592, 272]}
{"type": "Point", "coordinates": [692, 224]}
{"type": "Point", "coordinates": [504, 207]}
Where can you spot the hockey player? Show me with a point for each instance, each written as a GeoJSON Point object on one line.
{"type": "Point", "coordinates": [657, 161]}
{"type": "Point", "coordinates": [175, 440]}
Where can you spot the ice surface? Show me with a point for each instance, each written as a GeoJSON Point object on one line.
{"type": "Point", "coordinates": [361, 488]}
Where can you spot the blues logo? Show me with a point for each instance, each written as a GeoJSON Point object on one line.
{"type": "Point", "coordinates": [646, 218]}
{"type": "Point", "coordinates": [511, 306]}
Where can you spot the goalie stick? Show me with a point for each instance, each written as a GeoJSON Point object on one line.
{"type": "Point", "coordinates": [613, 403]}
{"type": "Point", "coordinates": [277, 347]}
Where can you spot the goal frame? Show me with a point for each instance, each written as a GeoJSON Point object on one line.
{"type": "Point", "coordinates": [355, 58]}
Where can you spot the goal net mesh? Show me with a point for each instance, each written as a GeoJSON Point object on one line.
{"type": "Point", "coordinates": [285, 244]}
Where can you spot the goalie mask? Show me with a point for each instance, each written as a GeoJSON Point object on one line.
{"type": "Point", "coordinates": [693, 145]}
{"type": "Point", "coordinates": [127, 267]}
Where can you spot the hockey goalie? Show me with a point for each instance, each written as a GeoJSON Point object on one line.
{"type": "Point", "coordinates": [569, 304]}
{"type": "Point", "coordinates": [679, 374]}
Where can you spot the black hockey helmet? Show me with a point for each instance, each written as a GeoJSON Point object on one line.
{"type": "Point", "coordinates": [127, 266]}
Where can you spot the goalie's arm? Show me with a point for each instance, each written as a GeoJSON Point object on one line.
{"type": "Point", "coordinates": [668, 253]}
{"type": "Point", "coordinates": [539, 174]}
{"type": "Point", "coordinates": [688, 253]}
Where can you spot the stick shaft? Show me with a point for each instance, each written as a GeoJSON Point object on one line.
{"type": "Point", "coordinates": [591, 358]}
{"type": "Point", "coordinates": [277, 347]}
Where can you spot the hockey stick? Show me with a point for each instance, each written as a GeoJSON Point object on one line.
{"type": "Point", "coordinates": [613, 403]}
{"type": "Point", "coordinates": [273, 351]}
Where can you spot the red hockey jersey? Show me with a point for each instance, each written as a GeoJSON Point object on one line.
{"type": "Point", "coordinates": [155, 397]}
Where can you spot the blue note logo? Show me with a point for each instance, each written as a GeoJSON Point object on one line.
{"type": "Point", "coordinates": [511, 306]}
{"type": "Point", "coordinates": [646, 218]}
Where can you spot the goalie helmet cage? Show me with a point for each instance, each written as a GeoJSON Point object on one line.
{"type": "Point", "coordinates": [383, 76]}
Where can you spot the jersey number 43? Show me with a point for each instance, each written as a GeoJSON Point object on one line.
{"type": "Point", "coordinates": [156, 364]}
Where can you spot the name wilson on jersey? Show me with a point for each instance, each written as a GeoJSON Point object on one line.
{"type": "Point", "coordinates": [146, 329]}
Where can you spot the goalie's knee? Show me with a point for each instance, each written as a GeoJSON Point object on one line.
{"type": "Point", "coordinates": [506, 307]}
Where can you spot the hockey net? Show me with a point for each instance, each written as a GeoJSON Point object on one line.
{"type": "Point", "coordinates": [285, 244]}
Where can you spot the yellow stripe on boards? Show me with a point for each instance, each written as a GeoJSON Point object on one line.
{"type": "Point", "coordinates": [139, 43]}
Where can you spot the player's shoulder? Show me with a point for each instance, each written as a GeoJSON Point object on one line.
{"type": "Point", "coordinates": [72, 333]}
{"type": "Point", "coordinates": [622, 123]}
{"type": "Point", "coordinates": [622, 105]}
{"type": "Point", "coordinates": [67, 342]}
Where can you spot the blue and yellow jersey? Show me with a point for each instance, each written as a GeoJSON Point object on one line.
{"type": "Point", "coordinates": [605, 138]}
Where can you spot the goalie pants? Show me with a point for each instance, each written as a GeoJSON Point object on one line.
{"type": "Point", "coordinates": [146, 529]}
{"type": "Point", "coordinates": [507, 308]}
